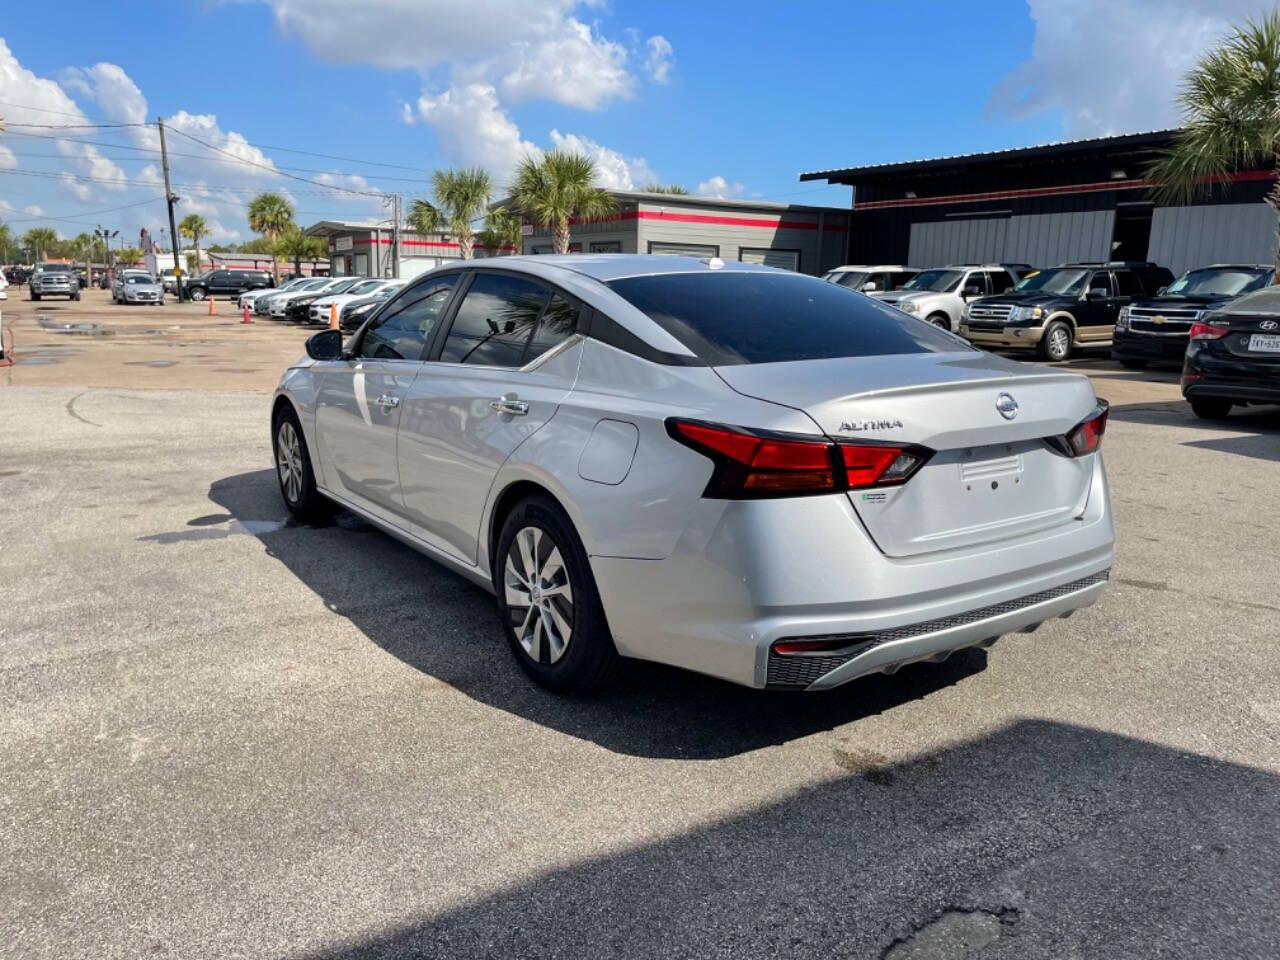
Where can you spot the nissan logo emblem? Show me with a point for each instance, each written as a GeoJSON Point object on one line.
{"type": "Point", "coordinates": [1268, 324]}
{"type": "Point", "coordinates": [1007, 406]}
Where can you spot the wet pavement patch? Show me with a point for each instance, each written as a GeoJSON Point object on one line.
{"type": "Point", "coordinates": [83, 328]}
{"type": "Point", "coordinates": [209, 519]}
{"type": "Point", "coordinates": [9, 473]}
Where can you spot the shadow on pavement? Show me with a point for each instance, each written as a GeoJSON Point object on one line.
{"type": "Point", "coordinates": [441, 624]}
{"type": "Point", "coordinates": [1039, 840]}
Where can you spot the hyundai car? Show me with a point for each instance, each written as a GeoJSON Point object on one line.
{"type": "Point", "coordinates": [725, 467]}
{"type": "Point", "coordinates": [1233, 357]}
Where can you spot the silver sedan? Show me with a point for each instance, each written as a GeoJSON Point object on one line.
{"type": "Point", "coordinates": [733, 469]}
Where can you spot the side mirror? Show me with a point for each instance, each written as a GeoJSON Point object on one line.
{"type": "Point", "coordinates": [869, 287]}
{"type": "Point", "coordinates": [325, 345]}
{"type": "Point", "coordinates": [1160, 291]}
{"type": "Point", "coordinates": [972, 291]}
{"type": "Point", "coordinates": [1098, 293]}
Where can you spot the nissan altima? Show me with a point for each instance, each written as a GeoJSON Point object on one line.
{"type": "Point", "coordinates": [733, 469]}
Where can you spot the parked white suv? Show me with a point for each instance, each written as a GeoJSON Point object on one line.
{"type": "Point", "coordinates": [940, 294]}
{"type": "Point", "coordinates": [871, 279]}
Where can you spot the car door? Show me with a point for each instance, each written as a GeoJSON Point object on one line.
{"type": "Point", "coordinates": [499, 374]}
{"type": "Point", "coordinates": [1098, 310]}
{"type": "Point", "coordinates": [359, 399]}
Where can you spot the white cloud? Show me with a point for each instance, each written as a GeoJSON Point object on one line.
{"type": "Point", "coordinates": [45, 103]}
{"type": "Point", "coordinates": [474, 130]}
{"type": "Point", "coordinates": [574, 67]}
{"type": "Point", "coordinates": [613, 170]}
{"type": "Point", "coordinates": [7, 160]}
{"type": "Point", "coordinates": [719, 188]}
{"type": "Point", "coordinates": [660, 59]}
{"type": "Point", "coordinates": [6, 206]}
{"type": "Point", "coordinates": [1112, 66]}
{"type": "Point", "coordinates": [33, 211]}
{"type": "Point", "coordinates": [80, 191]}
{"type": "Point", "coordinates": [112, 89]}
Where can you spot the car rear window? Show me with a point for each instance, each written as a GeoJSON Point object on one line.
{"type": "Point", "coordinates": [747, 317]}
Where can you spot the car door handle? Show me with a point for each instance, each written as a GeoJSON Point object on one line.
{"type": "Point", "coordinates": [386, 401]}
{"type": "Point", "coordinates": [511, 405]}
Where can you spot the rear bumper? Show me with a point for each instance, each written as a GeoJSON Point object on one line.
{"type": "Point", "coordinates": [1237, 378]}
{"type": "Point", "coordinates": [749, 574]}
{"type": "Point", "coordinates": [1007, 338]}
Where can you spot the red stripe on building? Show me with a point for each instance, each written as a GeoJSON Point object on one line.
{"type": "Point", "coordinates": [716, 221]}
{"type": "Point", "coordinates": [1242, 176]}
{"type": "Point", "coordinates": [404, 242]}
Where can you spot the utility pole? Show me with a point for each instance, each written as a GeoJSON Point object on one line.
{"type": "Point", "coordinates": [395, 235]}
{"type": "Point", "coordinates": [171, 200]}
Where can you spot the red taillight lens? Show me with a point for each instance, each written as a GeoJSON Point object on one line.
{"type": "Point", "coordinates": [752, 464]}
{"type": "Point", "coordinates": [1208, 331]}
{"type": "Point", "coordinates": [1086, 437]}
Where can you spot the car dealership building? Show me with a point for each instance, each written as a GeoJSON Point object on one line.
{"type": "Point", "coordinates": [1044, 205]}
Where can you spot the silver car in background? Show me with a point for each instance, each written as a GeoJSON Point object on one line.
{"type": "Point", "coordinates": [137, 286]}
{"type": "Point", "coordinates": [737, 470]}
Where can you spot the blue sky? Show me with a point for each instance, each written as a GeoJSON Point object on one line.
{"type": "Point", "coordinates": [726, 99]}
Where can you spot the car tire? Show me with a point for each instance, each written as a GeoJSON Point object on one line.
{"type": "Point", "coordinates": [1134, 364]}
{"type": "Point", "coordinates": [561, 639]}
{"type": "Point", "coordinates": [76, 297]}
{"type": "Point", "coordinates": [1055, 343]}
{"type": "Point", "coordinates": [35, 297]}
{"type": "Point", "coordinates": [293, 468]}
{"type": "Point", "coordinates": [196, 294]}
{"type": "Point", "coordinates": [1211, 408]}
{"type": "Point", "coordinates": [940, 320]}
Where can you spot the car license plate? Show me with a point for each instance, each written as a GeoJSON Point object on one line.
{"type": "Point", "coordinates": [1265, 343]}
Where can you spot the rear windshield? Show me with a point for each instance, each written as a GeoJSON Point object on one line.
{"type": "Point", "coordinates": [767, 317]}
{"type": "Point", "coordinates": [1219, 282]}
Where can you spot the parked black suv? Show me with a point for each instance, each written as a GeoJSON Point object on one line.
{"type": "Point", "coordinates": [1233, 358]}
{"type": "Point", "coordinates": [227, 283]}
{"type": "Point", "coordinates": [1158, 328]}
{"type": "Point", "coordinates": [1054, 311]}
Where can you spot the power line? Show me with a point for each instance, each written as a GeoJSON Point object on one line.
{"type": "Point", "coordinates": [87, 213]}
{"type": "Point", "coordinates": [25, 106]}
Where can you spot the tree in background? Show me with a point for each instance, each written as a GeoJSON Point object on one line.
{"type": "Point", "coordinates": [664, 188]}
{"type": "Point", "coordinates": [82, 249]}
{"type": "Point", "coordinates": [501, 231]}
{"type": "Point", "coordinates": [558, 188]}
{"type": "Point", "coordinates": [297, 246]}
{"type": "Point", "coordinates": [1231, 117]}
{"type": "Point", "coordinates": [41, 240]}
{"type": "Point", "coordinates": [271, 215]}
{"type": "Point", "coordinates": [6, 242]}
{"type": "Point", "coordinates": [193, 226]}
{"type": "Point", "coordinates": [193, 265]}
{"type": "Point", "coordinates": [461, 198]}
{"type": "Point", "coordinates": [128, 256]}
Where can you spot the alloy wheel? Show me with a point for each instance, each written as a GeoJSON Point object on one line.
{"type": "Point", "coordinates": [1059, 343]}
{"type": "Point", "coordinates": [289, 461]}
{"type": "Point", "coordinates": [538, 595]}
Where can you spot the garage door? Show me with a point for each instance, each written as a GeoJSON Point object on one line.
{"type": "Point", "coordinates": [683, 249]}
{"type": "Point", "coordinates": [1186, 237]}
{"type": "Point", "coordinates": [958, 241]}
{"type": "Point", "coordinates": [782, 259]}
{"type": "Point", "coordinates": [1043, 239]}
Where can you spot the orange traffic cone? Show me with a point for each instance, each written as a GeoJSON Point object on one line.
{"type": "Point", "coordinates": [246, 316]}
{"type": "Point", "coordinates": [213, 308]}
{"type": "Point", "coordinates": [333, 317]}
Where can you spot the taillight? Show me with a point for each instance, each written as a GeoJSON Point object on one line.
{"type": "Point", "coordinates": [751, 464]}
{"type": "Point", "coordinates": [1086, 436]}
{"type": "Point", "coordinates": [1208, 331]}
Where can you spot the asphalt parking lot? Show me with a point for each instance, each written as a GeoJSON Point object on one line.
{"type": "Point", "coordinates": [226, 734]}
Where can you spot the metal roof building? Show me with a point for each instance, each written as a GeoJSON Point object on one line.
{"type": "Point", "coordinates": [1047, 204]}
{"type": "Point", "coordinates": [790, 236]}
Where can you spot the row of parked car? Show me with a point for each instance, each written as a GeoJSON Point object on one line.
{"type": "Point", "coordinates": [1221, 322]}
{"type": "Point", "coordinates": [313, 299]}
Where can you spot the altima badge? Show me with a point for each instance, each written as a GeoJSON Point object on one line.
{"type": "Point", "coordinates": [857, 426]}
{"type": "Point", "coordinates": [1007, 406]}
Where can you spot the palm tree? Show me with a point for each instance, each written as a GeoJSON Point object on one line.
{"type": "Point", "coordinates": [501, 231]}
{"type": "Point", "coordinates": [82, 249]}
{"type": "Point", "coordinates": [271, 215]}
{"type": "Point", "coordinates": [297, 246]}
{"type": "Point", "coordinates": [193, 226]}
{"type": "Point", "coordinates": [425, 217]}
{"type": "Point", "coordinates": [656, 187]}
{"type": "Point", "coordinates": [40, 240]}
{"type": "Point", "coordinates": [6, 241]}
{"type": "Point", "coordinates": [462, 197]}
{"type": "Point", "coordinates": [558, 188]}
{"type": "Point", "coordinates": [1231, 117]}
{"type": "Point", "coordinates": [128, 256]}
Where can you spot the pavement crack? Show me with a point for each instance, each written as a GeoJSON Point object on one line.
{"type": "Point", "coordinates": [952, 932]}
{"type": "Point", "coordinates": [71, 409]}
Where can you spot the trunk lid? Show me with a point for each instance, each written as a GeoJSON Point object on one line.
{"type": "Point", "coordinates": [990, 478]}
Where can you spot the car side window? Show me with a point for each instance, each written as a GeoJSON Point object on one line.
{"type": "Point", "coordinates": [404, 330]}
{"type": "Point", "coordinates": [559, 322]}
{"type": "Point", "coordinates": [900, 279]}
{"type": "Point", "coordinates": [495, 321]}
{"type": "Point", "coordinates": [1000, 281]}
{"type": "Point", "coordinates": [975, 279]}
{"type": "Point", "coordinates": [1126, 286]}
{"type": "Point", "coordinates": [1101, 281]}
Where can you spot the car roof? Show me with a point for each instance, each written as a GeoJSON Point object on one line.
{"type": "Point", "coordinates": [614, 266]}
{"type": "Point", "coordinates": [849, 267]}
